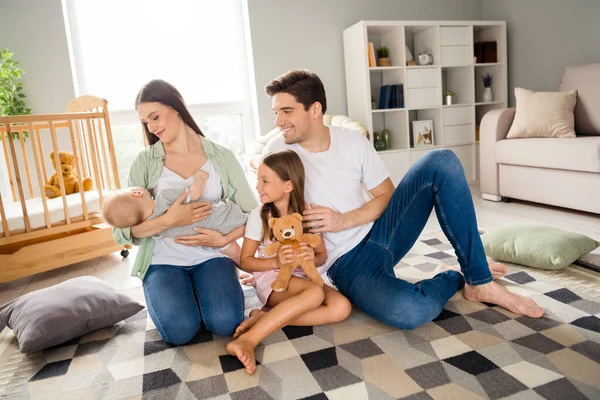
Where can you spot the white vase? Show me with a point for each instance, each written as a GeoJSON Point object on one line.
{"type": "Point", "coordinates": [487, 95]}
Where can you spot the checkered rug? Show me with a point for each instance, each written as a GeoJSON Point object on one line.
{"type": "Point", "coordinates": [470, 351]}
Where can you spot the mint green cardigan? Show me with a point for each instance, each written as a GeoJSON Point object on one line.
{"type": "Point", "coordinates": [147, 168]}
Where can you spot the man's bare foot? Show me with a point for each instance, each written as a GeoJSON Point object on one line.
{"type": "Point", "coordinates": [244, 351]}
{"type": "Point", "coordinates": [499, 295]}
{"type": "Point", "coordinates": [246, 324]}
{"type": "Point", "coordinates": [498, 270]}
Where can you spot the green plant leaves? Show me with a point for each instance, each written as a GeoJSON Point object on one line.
{"type": "Point", "coordinates": [11, 97]}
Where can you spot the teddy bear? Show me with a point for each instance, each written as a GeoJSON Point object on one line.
{"type": "Point", "coordinates": [288, 230]}
{"type": "Point", "coordinates": [71, 180]}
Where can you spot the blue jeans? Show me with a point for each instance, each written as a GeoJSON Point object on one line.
{"type": "Point", "coordinates": [366, 273]}
{"type": "Point", "coordinates": [181, 299]}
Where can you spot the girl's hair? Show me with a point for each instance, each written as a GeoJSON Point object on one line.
{"type": "Point", "coordinates": [288, 166]}
{"type": "Point", "coordinates": [159, 91]}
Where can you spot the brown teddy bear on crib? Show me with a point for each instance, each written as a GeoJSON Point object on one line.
{"type": "Point", "coordinates": [288, 231]}
{"type": "Point", "coordinates": [67, 169]}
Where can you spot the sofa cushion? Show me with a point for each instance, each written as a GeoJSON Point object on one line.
{"type": "Point", "coordinates": [575, 154]}
{"type": "Point", "coordinates": [586, 80]}
{"type": "Point", "coordinates": [543, 114]}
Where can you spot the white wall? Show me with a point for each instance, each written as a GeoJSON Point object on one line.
{"type": "Point", "coordinates": [544, 36]}
{"type": "Point", "coordinates": [34, 30]}
{"type": "Point", "coordinates": [289, 34]}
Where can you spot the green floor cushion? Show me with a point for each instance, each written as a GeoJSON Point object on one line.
{"type": "Point", "coordinates": [537, 246]}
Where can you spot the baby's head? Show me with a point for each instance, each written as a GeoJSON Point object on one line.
{"type": "Point", "coordinates": [128, 207]}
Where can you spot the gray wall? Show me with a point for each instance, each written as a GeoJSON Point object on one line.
{"type": "Point", "coordinates": [286, 35]}
{"type": "Point", "coordinates": [544, 36]}
{"type": "Point", "coordinates": [34, 30]}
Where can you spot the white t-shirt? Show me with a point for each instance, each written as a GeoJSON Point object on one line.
{"type": "Point", "coordinates": [166, 251]}
{"type": "Point", "coordinates": [335, 179]}
{"type": "Point", "coordinates": [254, 232]}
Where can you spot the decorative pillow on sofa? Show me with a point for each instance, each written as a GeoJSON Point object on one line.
{"type": "Point", "coordinates": [57, 314]}
{"type": "Point", "coordinates": [536, 246]}
{"type": "Point", "coordinates": [543, 114]}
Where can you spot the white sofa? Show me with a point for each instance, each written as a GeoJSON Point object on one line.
{"type": "Point", "coordinates": [563, 172]}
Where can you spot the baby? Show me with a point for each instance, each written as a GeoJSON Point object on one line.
{"type": "Point", "coordinates": [131, 206]}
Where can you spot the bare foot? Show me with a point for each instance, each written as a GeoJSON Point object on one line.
{"type": "Point", "coordinates": [496, 294]}
{"type": "Point", "coordinates": [245, 326]}
{"type": "Point", "coordinates": [244, 351]}
{"type": "Point", "coordinates": [498, 270]}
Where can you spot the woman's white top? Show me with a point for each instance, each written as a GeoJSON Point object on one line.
{"type": "Point", "coordinates": [166, 251]}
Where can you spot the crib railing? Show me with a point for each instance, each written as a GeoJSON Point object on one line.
{"type": "Point", "coordinates": [28, 141]}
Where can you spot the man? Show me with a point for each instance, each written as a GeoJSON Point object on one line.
{"type": "Point", "coordinates": [366, 239]}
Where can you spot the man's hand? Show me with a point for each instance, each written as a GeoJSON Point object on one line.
{"type": "Point", "coordinates": [323, 219]}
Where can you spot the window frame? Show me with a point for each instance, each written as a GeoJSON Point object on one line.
{"type": "Point", "coordinates": [247, 107]}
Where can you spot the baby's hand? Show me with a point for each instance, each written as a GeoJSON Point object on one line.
{"type": "Point", "coordinates": [201, 174]}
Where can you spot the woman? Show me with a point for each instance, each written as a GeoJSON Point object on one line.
{"type": "Point", "coordinates": [187, 282]}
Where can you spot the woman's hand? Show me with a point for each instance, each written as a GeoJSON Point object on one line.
{"type": "Point", "coordinates": [204, 237]}
{"type": "Point", "coordinates": [285, 255]}
{"type": "Point", "coordinates": [306, 252]}
{"type": "Point", "coordinates": [180, 214]}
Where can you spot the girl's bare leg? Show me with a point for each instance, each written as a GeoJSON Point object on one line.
{"type": "Point", "coordinates": [301, 296]}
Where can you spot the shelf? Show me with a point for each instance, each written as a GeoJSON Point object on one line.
{"type": "Point", "coordinates": [422, 66]}
{"type": "Point", "coordinates": [460, 144]}
{"type": "Point", "coordinates": [391, 151]}
{"type": "Point", "coordinates": [423, 108]}
{"type": "Point", "coordinates": [382, 110]}
{"type": "Point", "coordinates": [457, 66]}
{"type": "Point", "coordinates": [488, 64]}
{"type": "Point", "coordinates": [457, 105]}
{"type": "Point", "coordinates": [426, 148]}
{"type": "Point", "coordinates": [382, 69]}
{"type": "Point", "coordinates": [487, 103]}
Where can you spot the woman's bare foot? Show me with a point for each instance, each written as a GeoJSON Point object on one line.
{"type": "Point", "coordinates": [245, 326]}
{"type": "Point", "coordinates": [499, 295]}
{"type": "Point", "coordinates": [244, 351]}
{"type": "Point", "coordinates": [498, 270]}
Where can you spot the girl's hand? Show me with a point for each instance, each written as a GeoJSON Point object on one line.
{"type": "Point", "coordinates": [285, 255]}
{"type": "Point", "coordinates": [204, 237]}
{"type": "Point", "coordinates": [306, 252]}
{"type": "Point", "coordinates": [180, 214]}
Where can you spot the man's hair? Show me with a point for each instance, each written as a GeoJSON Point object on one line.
{"type": "Point", "coordinates": [305, 86]}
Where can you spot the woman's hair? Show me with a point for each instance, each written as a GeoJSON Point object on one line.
{"type": "Point", "coordinates": [288, 166]}
{"type": "Point", "coordinates": [159, 91]}
{"type": "Point", "coordinates": [305, 86]}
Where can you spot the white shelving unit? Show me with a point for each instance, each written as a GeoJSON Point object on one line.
{"type": "Point", "coordinates": [452, 45]}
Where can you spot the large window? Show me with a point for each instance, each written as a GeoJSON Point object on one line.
{"type": "Point", "coordinates": [197, 45]}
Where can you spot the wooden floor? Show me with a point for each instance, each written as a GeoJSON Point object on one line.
{"type": "Point", "coordinates": [115, 270]}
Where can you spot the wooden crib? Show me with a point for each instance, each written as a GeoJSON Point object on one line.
{"type": "Point", "coordinates": [39, 234]}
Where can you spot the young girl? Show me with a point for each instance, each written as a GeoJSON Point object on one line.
{"type": "Point", "coordinates": [281, 191]}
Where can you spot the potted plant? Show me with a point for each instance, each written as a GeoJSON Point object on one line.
{"type": "Point", "coordinates": [383, 54]}
{"type": "Point", "coordinates": [487, 87]}
{"type": "Point", "coordinates": [11, 88]}
{"type": "Point", "coordinates": [448, 97]}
